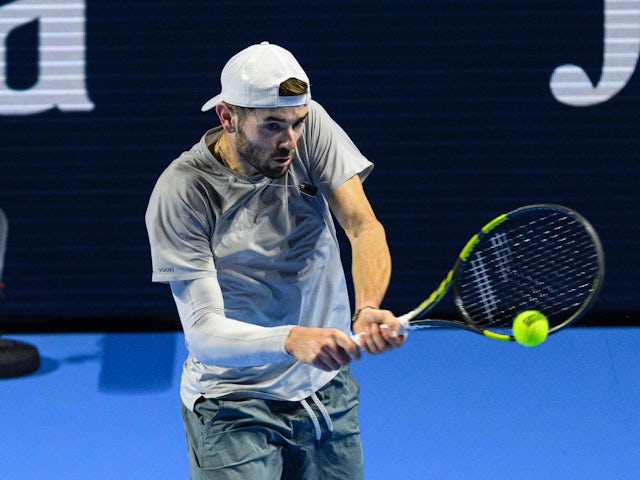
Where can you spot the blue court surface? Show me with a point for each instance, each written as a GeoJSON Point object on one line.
{"type": "Point", "coordinates": [449, 405]}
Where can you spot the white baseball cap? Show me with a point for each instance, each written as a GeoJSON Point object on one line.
{"type": "Point", "coordinates": [252, 78]}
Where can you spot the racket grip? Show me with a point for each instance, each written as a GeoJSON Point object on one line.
{"type": "Point", "coordinates": [404, 328]}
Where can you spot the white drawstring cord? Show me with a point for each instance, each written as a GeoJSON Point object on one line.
{"type": "Point", "coordinates": [314, 417]}
{"type": "Point", "coordinates": [323, 411]}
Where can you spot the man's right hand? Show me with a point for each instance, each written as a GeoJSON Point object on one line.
{"type": "Point", "coordinates": [325, 348]}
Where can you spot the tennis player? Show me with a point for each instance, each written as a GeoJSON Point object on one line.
{"type": "Point", "coordinates": [241, 228]}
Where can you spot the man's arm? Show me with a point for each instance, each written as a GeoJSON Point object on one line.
{"type": "Point", "coordinates": [213, 338]}
{"type": "Point", "coordinates": [371, 265]}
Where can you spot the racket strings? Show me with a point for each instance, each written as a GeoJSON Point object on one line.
{"type": "Point", "coordinates": [540, 260]}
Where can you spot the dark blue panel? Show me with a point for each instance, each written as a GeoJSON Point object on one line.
{"type": "Point", "coordinates": [451, 100]}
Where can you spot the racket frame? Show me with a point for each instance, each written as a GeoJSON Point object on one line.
{"type": "Point", "coordinates": [410, 320]}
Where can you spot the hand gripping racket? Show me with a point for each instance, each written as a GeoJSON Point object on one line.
{"type": "Point", "coordinates": [538, 257]}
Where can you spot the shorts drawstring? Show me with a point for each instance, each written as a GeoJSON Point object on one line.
{"type": "Point", "coordinates": [314, 417]}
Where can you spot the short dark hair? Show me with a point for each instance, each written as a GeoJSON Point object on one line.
{"type": "Point", "coordinates": [291, 87]}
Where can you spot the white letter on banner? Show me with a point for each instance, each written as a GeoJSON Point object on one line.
{"type": "Point", "coordinates": [571, 85]}
{"type": "Point", "coordinates": [61, 57]}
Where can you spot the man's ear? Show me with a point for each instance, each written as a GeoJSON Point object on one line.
{"type": "Point", "coordinates": [226, 115]}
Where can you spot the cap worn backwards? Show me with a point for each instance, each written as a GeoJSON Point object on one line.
{"type": "Point", "coordinates": [252, 78]}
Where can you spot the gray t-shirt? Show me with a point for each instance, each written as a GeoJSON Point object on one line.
{"type": "Point", "coordinates": [272, 247]}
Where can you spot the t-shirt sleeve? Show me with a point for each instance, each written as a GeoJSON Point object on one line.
{"type": "Point", "coordinates": [178, 228]}
{"type": "Point", "coordinates": [332, 156]}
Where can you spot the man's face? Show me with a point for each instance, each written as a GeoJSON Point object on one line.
{"type": "Point", "coordinates": [266, 139]}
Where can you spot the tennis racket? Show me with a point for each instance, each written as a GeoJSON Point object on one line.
{"type": "Point", "coordinates": [538, 257]}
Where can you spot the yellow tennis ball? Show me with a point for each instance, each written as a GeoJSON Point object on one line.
{"type": "Point", "coordinates": [530, 328]}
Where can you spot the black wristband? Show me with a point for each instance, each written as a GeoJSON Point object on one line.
{"type": "Point", "coordinates": [354, 317]}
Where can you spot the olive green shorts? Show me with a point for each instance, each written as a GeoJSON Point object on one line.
{"type": "Point", "coordinates": [317, 438]}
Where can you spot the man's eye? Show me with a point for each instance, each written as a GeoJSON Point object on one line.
{"type": "Point", "coordinates": [273, 127]}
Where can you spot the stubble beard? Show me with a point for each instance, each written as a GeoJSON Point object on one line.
{"type": "Point", "coordinates": [256, 158]}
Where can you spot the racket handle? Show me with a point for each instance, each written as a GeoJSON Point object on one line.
{"type": "Point", "coordinates": [404, 328]}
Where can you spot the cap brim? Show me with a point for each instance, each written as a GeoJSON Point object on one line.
{"type": "Point", "coordinates": [211, 103]}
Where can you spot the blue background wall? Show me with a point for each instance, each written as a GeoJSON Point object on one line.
{"type": "Point", "coordinates": [450, 99]}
